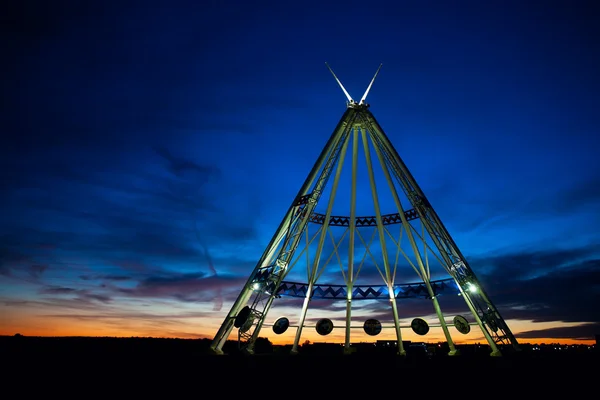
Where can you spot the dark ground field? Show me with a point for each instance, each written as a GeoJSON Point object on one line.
{"type": "Point", "coordinates": [149, 366]}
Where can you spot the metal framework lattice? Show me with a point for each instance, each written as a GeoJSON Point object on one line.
{"type": "Point", "coordinates": [421, 243]}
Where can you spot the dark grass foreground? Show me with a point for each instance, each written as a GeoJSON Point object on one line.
{"type": "Point", "coordinates": [151, 366]}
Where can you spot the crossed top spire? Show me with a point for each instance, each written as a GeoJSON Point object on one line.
{"type": "Point", "coordinates": [350, 99]}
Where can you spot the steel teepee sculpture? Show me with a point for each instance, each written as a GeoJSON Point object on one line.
{"type": "Point", "coordinates": [393, 266]}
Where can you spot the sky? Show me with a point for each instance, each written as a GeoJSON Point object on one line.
{"type": "Point", "coordinates": [149, 151]}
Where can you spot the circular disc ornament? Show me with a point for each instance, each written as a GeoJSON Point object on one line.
{"type": "Point", "coordinates": [247, 325]}
{"type": "Point", "coordinates": [324, 326]}
{"type": "Point", "coordinates": [419, 326]}
{"type": "Point", "coordinates": [462, 325]}
{"type": "Point", "coordinates": [372, 327]}
{"type": "Point", "coordinates": [281, 325]}
{"type": "Point", "coordinates": [242, 317]}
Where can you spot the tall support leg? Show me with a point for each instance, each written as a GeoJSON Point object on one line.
{"type": "Point", "coordinates": [350, 276]}
{"type": "Point", "coordinates": [302, 319]}
{"type": "Point", "coordinates": [317, 258]}
{"type": "Point", "coordinates": [382, 241]}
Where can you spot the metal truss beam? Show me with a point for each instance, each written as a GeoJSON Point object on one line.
{"type": "Point", "coordinates": [386, 219]}
{"type": "Point", "coordinates": [369, 292]}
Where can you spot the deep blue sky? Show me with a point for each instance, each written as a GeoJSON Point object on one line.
{"type": "Point", "coordinates": [149, 149]}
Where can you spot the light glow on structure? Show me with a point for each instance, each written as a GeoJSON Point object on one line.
{"type": "Point", "coordinates": [472, 288]}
